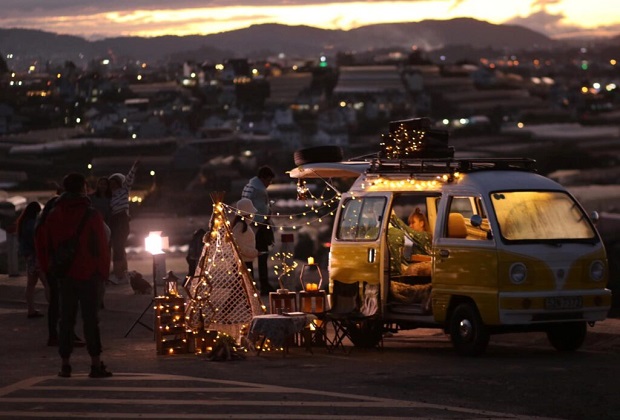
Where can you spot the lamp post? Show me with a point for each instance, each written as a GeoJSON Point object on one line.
{"type": "Point", "coordinates": [155, 245]}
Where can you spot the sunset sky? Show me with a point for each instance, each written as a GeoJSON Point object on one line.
{"type": "Point", "coordinates": [96, 19]}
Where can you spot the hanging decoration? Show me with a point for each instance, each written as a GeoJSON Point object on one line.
{"type": "Point", "coordinates": [415, 138]}
{"type": "Point", "coordinates": [222, 294]}
{"type": "Point", "coordinates": [302, 190]}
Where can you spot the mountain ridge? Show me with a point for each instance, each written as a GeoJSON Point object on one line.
{"type": "Point", "coordinates": [258, 40]}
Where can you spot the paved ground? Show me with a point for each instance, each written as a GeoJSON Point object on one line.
{"type": "Point", "coordinates": [122, 298]}
{"type": "Point", "coordinates": [146, 383]}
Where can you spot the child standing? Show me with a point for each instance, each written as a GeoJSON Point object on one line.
{"type": "Point", "coordinates": [120, 185]}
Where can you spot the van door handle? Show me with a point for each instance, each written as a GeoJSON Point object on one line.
{"type": "Point", "coordinates": [444, 253]}
{"type": "Point", "coordinates": [372, 253]}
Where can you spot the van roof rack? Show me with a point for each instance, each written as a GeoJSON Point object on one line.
{"type": "Point", "coordinates": [414, 146]}
{"type": "Point", "coordinates": [450, 165]}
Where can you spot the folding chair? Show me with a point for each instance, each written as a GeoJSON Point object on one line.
{"type": "Point", "coordinates": [351, 320]}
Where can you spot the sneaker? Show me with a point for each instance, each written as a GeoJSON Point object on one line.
{"type": "Point", "coordinates": [113, 279]}
{"type": "Point", "coordinates": [65, 371]}
{"type": "Point", "coordinates": [99, 371]}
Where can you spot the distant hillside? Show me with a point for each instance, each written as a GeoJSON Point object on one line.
{"type": "Point", "coordinates": [263, 40]}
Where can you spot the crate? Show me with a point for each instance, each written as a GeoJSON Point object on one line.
{"type": "Point", "coordinates": [314, 302]}
{"type": "Point", "coordinates": [282, 302]}
{"type": "Point", "coordinates": [170, 331]}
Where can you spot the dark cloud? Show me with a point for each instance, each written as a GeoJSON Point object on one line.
{"type": "Point", "coordinates": [14, 8]}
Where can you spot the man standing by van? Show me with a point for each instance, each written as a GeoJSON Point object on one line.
{"type": "Point", "coordinates": [256, 191]}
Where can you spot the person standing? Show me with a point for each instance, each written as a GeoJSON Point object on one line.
{"type": "Point", "coordinates": [244, 235]}
{"type": "Point", "coordinates": [194, 251]}
{"type": "Point", "coordinates": [89, 267]}
{"type": "Point", "coordinates": [100, 198]}
{"type": "Point", "coordinates": [120, 185]}
{"type": "Point", "coordinates": [53, 308]}
{"type": "Point", "coordinates": [26, 223]}
{"type": "Point", "coordinates": [256, 191]}
{"type": "Point", "coordinates": [52, 284]}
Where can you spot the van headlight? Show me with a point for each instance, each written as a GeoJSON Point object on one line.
{"type": "Point", "coordinates": [597, 270]}
{"type": "Point", "coordinates": [518, 273]}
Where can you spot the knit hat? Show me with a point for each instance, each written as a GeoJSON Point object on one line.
{"type": "Point", "coordinates": [245, 206]}
{"type": "Point", "coordinates": [119, 177]}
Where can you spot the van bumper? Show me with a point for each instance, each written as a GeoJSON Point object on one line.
{"type": "Point", "coordinates": [518, 308]}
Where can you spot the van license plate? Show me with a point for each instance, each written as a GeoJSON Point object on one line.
{"type": "Point", "coordinates": [563, 302]}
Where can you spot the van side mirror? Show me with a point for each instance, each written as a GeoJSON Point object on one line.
{"type": "Point", "coordinates": [476, 221]}
{"type": "Point", "coordinates": [594, 216]}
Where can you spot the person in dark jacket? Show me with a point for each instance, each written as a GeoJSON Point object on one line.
{"type": "Point", "coordinates": [194, 251]}
{"type": "Point", "coordinates": [256, 191]}
{"type": "Point", "coordinates": [25, 235]}
{"type": "Point", "coordinates": [100, 198]}
{"type": "Point", "coordinates": [53, 308]}
{"type": "Point", "coordinates": [82, 284]}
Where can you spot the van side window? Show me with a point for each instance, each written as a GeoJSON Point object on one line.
{"type": "Point", "coordinates": [459, 223]}
{"type": "Point", "coordinates": [361, 218]}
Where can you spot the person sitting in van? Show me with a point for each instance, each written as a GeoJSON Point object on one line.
{"type": "Point", "coordinates": [419, 233]}
{"type": "Point", "coordinates": [417, 241]}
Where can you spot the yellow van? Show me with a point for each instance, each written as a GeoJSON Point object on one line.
{"type": "Point", "coordinates": [504, 250]}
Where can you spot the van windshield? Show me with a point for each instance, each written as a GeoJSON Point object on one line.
{"type": "Point", "coordinates": [540, 215]}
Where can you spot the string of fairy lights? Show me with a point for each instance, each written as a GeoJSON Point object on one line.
{"type": "Point", "coordinates": [318, 209]}
{"type": "Point", "coordinates": [403, 142]}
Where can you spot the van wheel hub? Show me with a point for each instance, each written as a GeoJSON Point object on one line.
{"type": "Point", "coordinates": [468, 333]}
{"type": "Point", "coordinates": [465, 329]}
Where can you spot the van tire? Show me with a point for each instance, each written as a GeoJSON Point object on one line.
{"type": "Point", "coordinates": [568, 336]}
{"type": "Point", "coordinates": [318, 154]}
{"type": "Point", "coordinates": [469, 335]}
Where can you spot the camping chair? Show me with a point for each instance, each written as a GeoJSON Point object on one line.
{"type": "Point", "coordinates": [353, 320]}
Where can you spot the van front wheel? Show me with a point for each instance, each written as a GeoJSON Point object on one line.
{"type": "Point", "coordinates": [469, 335]}
{"type": "Point", "coordinates": [567, 337]}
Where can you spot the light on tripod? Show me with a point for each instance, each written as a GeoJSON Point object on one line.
{"type": "Point", "coordinates": [155, 243]}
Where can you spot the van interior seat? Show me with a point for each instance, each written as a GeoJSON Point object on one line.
{"type": "Point", "coordinates": [478, 233]}
{"type": "Point", "coordinates": [456, 226]}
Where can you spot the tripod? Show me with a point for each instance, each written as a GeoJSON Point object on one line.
{"type": "Point", "coordinates": [158, 260]}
